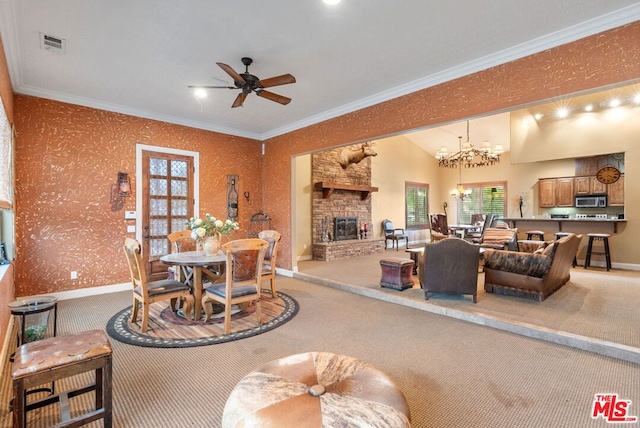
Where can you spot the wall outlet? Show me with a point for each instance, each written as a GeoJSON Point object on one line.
{"type": "Point", "coordinates": [304, 246]}
{"type": "Point", "coordinates": [130, 215]}
{"type": "Point", "coordinates": [74, 274]}
{"type": "Point", "coordinates": [131, 229]}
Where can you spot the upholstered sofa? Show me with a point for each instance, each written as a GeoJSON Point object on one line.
{"type": "Point", "coordinates": [535, 275]}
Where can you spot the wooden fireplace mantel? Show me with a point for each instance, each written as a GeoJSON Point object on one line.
{"type": "Point", "coordinates": [328, 188]}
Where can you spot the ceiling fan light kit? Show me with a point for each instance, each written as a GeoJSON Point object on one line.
{"type": "Point", "coordinates": [249, 83]}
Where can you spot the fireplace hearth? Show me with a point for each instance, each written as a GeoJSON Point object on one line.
{"type": "Point", "coordinates": [345, 228]}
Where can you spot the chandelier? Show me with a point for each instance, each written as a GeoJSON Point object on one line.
{"type": "Point", "coordinates": [460, 192]}
{"type": "Point", "coordinates": [468, 156]}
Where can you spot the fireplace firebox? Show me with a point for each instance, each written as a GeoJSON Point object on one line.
{"type": "Point", "coordinates": [345, 228]}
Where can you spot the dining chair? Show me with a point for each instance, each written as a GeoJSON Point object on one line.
{"type": "Point", "coordinates": [147, 292]}
{"type": "Point", "coordinates": [269, 266]}
{"type": "Point", "coordinates": [242, 280]}
{"type": "Point", "coordinates": [181, 241]}
{"type": "Point", "coordinates": [393, 234]}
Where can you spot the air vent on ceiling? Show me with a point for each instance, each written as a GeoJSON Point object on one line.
{"type": "Point", "coordinates": [52, 43]}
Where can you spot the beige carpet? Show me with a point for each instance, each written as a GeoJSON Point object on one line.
{"type": "Point", "coordinates": [453, 373]}
{"type": "Point", "coordinates": [594, 303]}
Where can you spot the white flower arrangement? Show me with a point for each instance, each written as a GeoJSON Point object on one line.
{"type": "Point", "coordinates": [210, 226]}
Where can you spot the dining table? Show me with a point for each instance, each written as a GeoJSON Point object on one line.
{"type": "Point", "coordinates": [202, 264]}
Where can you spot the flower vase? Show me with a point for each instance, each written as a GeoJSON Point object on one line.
{"type": "Point", "coordinates": [211, 245]}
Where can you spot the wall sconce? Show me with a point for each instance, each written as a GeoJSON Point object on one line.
{"type": "Point", "coordinates": [122, 187]}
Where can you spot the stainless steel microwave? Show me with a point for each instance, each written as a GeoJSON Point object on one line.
{"type": "Point", "coordinates": [593, 201]}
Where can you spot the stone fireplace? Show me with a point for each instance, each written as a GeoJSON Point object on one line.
{"type": "Point", "coordinates": [341, 205]}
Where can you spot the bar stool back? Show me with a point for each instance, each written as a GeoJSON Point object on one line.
{"type": "Point", "coordinates": [535, 234]}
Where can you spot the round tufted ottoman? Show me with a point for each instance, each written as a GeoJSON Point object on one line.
{"type": "Point", "coordinates": [316, 389]}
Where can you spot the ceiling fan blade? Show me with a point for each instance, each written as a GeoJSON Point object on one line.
{"type": "Point", "coordinates": [212, 87]}
{"type": "Point", "coordinates": [231, 72]}
{"type": "Point", "coordinates": [239, 100]}
{"type": "Point", "coordinates": [285, 79]}
{"type": "Point", "coordinates": [274, 97]}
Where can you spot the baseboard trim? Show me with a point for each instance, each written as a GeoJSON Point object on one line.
{"type": "Point", "coordinates": [85, 292]}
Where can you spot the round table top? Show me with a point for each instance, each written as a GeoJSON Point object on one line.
{"type": "Point", "coordinates": [193, 258]}
{"type": "Point", "coordinates": [33, 304]}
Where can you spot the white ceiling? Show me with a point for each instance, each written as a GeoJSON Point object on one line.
{"type": "Point", "coordinates": [138, 56]}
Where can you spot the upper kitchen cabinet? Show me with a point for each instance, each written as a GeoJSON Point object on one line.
{"type": "Point", "coordinates": [589, 186]}
{"type": "Point", "coordinates": [556, 192]}
{"type": "Point", "coordinates": [615, 193]}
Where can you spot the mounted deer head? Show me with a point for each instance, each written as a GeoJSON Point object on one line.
{"type": "Point", "coordinates": [350, 155]}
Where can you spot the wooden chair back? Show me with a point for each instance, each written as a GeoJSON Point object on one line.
{"type": "Point", "coordinates": [271, 257]}
{"type": "Point", "coordinates": [181, 241]}
{"type": "Point", "coordinates": [136, 266]}
{"type": "Point", "coordinates": [243, 278]}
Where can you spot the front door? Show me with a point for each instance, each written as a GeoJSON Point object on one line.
{"type": "Point", "coordinates": [167, 202]}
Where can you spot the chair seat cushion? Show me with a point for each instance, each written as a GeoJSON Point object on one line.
{"type": "Point", "coordinates": [220, 290]}
{"type": "Point", "coordinates": [165, 286]}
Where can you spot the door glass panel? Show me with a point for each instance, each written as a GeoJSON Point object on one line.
{"type": "Point", "coordinates": [179, 208]}
{"type": "Point", "coordinates": [159, 247]}
{"type": "Point", "coordinates": [178, 169]}
{"type": "Point", "coordinates": [159, 227]}
{"type": "Point", "coordinates": [178, 224]}
{"type": "Point", "coordinates": [178, 188]}
{"type": "Point", "coordinates": [158, 207]}
{"type": "Point", "coordinates": [157, 187]}
{"type": "Point", "coordinates": [158, 166]}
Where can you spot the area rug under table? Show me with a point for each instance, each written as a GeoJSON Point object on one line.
{"type": "Point", "coordinates": [169, 330]}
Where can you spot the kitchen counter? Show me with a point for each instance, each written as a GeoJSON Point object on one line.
{"type": "Point", "coordinates": [559, 221]}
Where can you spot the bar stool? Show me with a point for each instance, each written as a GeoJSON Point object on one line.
{"type": "Point", "coordinates": [48, 360]}
{"type": "Point", "coordinates": [604, 237]}
{"type": "Point", "coordinates": [562, 235]}
{"type": "Point", "coordinates": [535, 234]}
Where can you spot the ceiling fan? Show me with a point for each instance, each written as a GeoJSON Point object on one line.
{"type": "Point", "coordinates": [250, 83]}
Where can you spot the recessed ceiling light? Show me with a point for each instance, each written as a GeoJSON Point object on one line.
{"type": "Point", "coordinates": [200, 93]}
{"type": "Point", "coordinates": [614, 103]}
{"type": "Point", "coordinates": [332, 1]}
{"type": "Point", "coordinates": [588, 107]}
{"type": "Point", "coordinates": [636, 99]}
{"type": "Point", "coordinates": [562, 113]}
{"type": "Point", "coordinates": [538, 116]}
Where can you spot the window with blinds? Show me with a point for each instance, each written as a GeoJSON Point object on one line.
{"type": "Point", "coordinates": [417, 205]}
{"type": "Point", "coordinates": [485, 198]}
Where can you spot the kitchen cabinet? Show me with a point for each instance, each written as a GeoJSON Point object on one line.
{"type": "Point", "coordinates": [555, 192]}
{"type": "Point", "coordinates": [590, 165]}
{"type": "Point", "coordinates": [615, 193]}
{"type": "Point", "coordinates": [547, 192]}
{"type": "Point", "coordinates": [589, 186]}
{"type": "Point", "coordinates": [564, 192]}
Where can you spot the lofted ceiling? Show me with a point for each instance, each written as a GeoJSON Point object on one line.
{"type": "Point", "coordinates": [138, 57]}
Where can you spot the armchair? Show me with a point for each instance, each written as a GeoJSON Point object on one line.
{"type": "Point", "coordinates": [449, 266]}
{"type": "Point", "coordinates": [393, 234]}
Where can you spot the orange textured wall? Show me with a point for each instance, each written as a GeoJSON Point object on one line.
{"type": "Point", "coordinates": [603, 59]}
{"type": "Point", "coordinates": [68, 156]}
